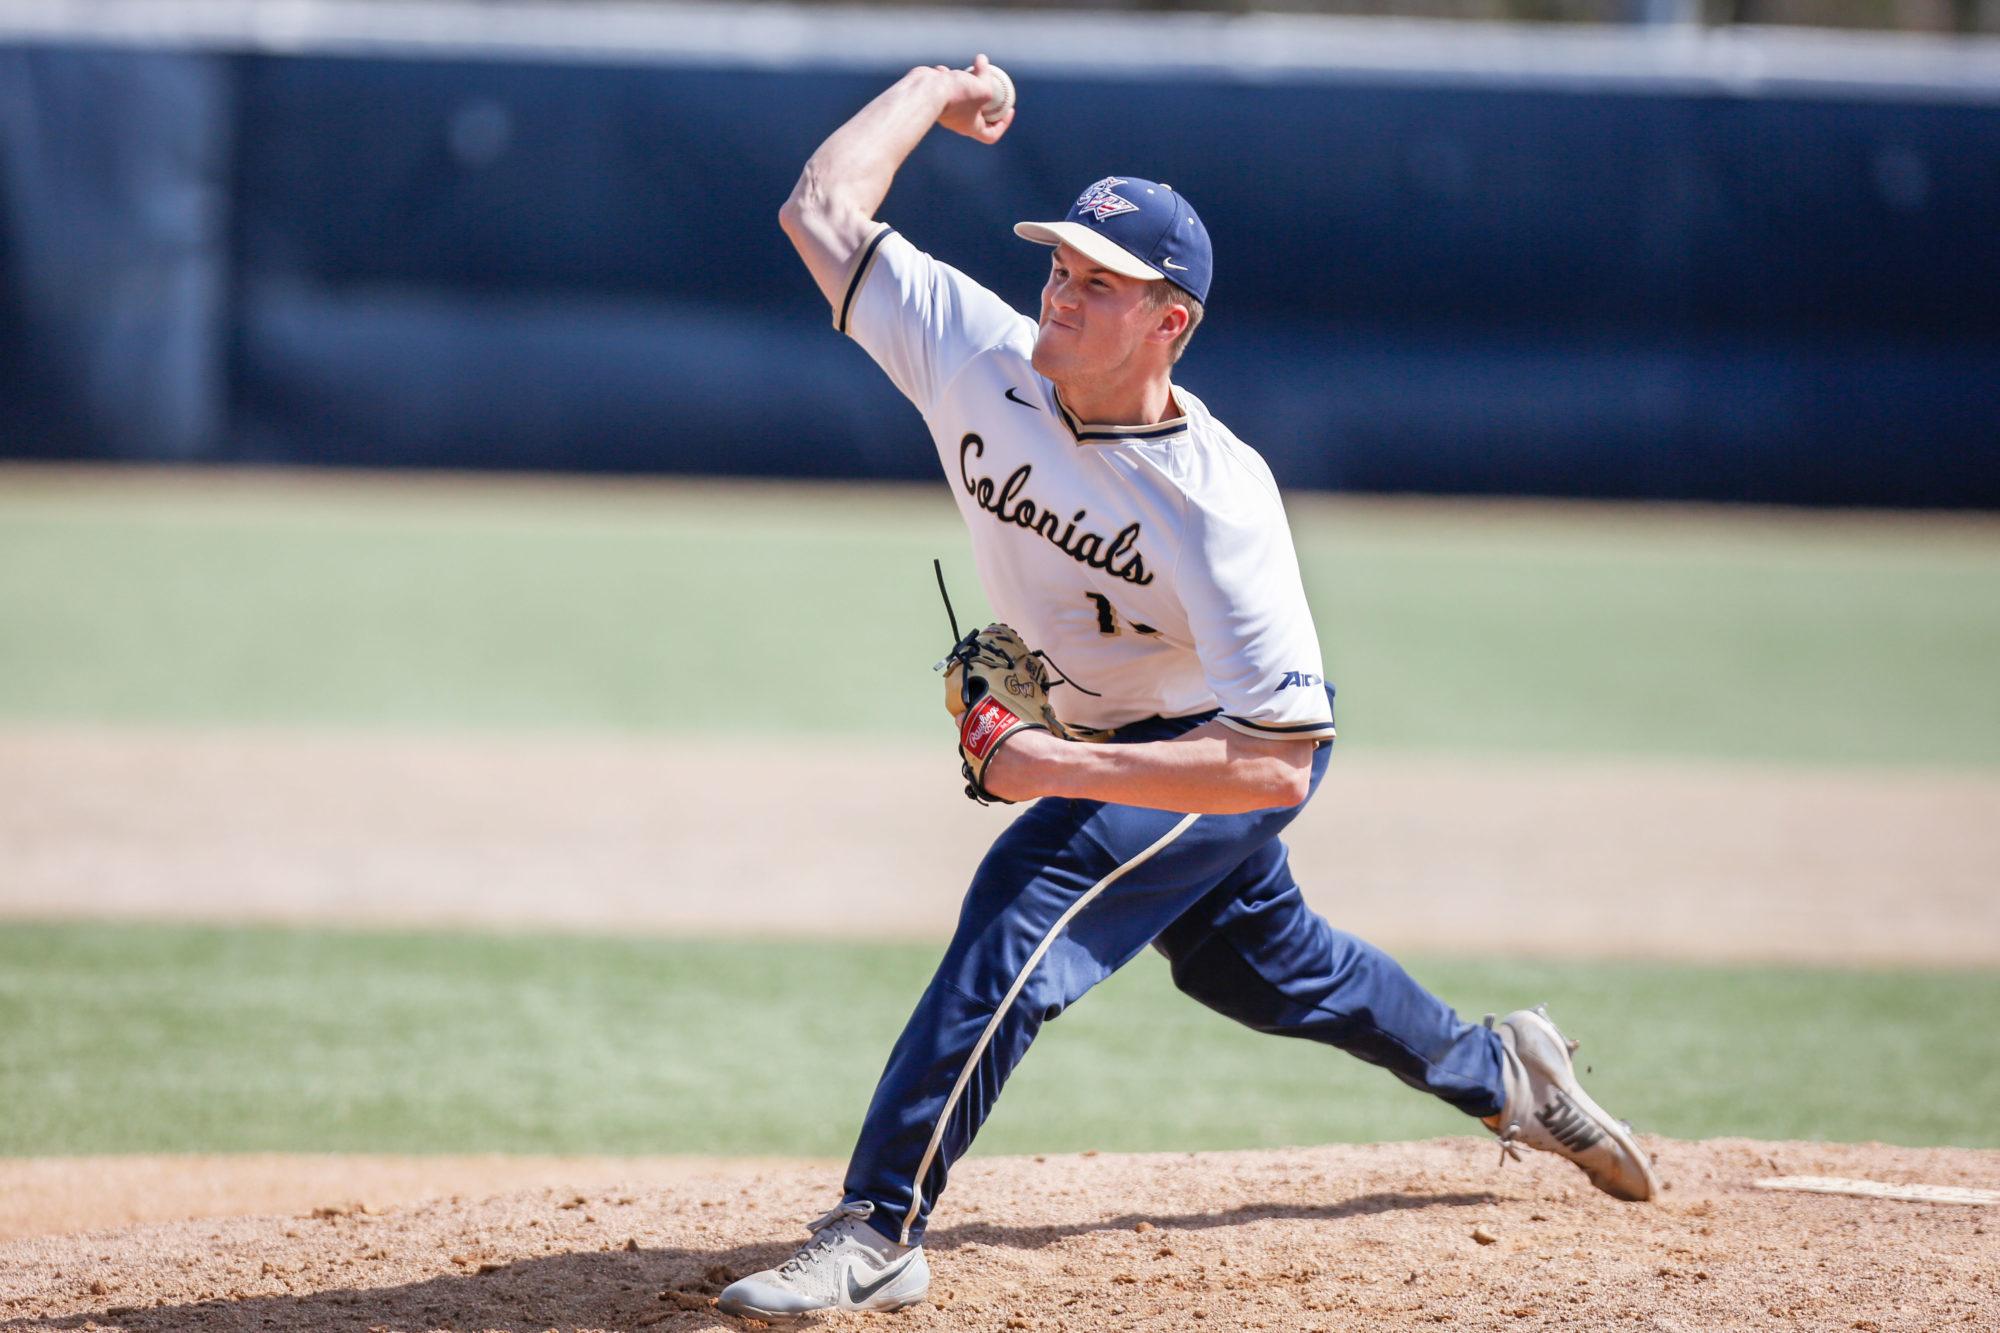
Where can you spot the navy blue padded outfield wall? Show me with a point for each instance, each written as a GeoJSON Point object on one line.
{"type": "Point", "coordinates": [1450, 285]}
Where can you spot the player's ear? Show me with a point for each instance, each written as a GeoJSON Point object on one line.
{"type": "Point", "coordinates": [1170, 323]}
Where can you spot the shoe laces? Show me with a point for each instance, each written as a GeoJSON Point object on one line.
{"type": "Point", "coordinates": [1509, 1133]}
{"type": "Point", "coordinates": [827, 1231]}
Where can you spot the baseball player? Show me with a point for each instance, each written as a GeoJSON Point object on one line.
{"type": "Point", "coordinates": [1120, 527]}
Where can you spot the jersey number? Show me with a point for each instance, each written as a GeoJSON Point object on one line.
{"type": "Point", "coordinates": [1107, 616]}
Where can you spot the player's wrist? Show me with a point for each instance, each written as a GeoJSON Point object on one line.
{"type": "Point", "coordinates": [1024, 768]}
{"type": "Point", "coordinates": [939, 86]}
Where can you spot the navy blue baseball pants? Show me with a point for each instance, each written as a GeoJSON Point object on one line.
{"type": "Point", "coordinates": [1071, 892]}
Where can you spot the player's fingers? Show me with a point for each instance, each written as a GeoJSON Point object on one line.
{"type": "Point", "coordinates": [991, 130]}
{"type": "Point", "coordinates": [979, 63]}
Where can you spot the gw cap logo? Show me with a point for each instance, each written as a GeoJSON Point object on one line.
{"type": "Point", "coordinates": [1102, 201]}
{"type": "Point", "coordinates": [1299, 678]}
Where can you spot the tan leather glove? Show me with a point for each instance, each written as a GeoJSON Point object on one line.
{"type": "Point", "coordinates": [994, 687]}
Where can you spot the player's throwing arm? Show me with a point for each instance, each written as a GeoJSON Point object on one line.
{"type": "Point", "coordinates": [831, 213]}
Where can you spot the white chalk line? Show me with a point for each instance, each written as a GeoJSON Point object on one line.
{"type": "Point", "coordinates": [1876, 1189]}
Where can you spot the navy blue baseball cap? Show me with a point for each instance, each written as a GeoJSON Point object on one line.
{"type": "Point", "coordinates": [1141, 229]}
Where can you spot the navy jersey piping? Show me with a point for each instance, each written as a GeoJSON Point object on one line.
{"type": "Point", "coordinates": [860, 274]}
{"type": "Point", "coordinates": [1286, 728]}
{"type": "Point", "coordinates": [1160, 434]}
{"type": "Point", "coordinates": [1090, 432]}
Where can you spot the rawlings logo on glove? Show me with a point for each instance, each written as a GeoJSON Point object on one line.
{"type": "Point", "coordinates": [980, 732]}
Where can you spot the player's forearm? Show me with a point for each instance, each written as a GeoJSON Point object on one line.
{"type": "Point", "coordinates": [1211, 770]}
{"type": "Point", "coordinates": [849, 177]}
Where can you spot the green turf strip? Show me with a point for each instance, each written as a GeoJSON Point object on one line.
{"type": "Point", "coordinates": [176, 1039]}
{"type": "Point", "coordinates": [787, 609]}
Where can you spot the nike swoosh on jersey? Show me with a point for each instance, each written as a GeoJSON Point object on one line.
{"type": "Point", "coordinates": [857, 1293]}
{"type": "Point", "coordinates": [1033, 407]}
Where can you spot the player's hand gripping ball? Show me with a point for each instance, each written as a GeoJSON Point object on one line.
{"type": "Point", "coordinates": [994, 688]}
{"type": "Point", "coordinates": [981, 104]}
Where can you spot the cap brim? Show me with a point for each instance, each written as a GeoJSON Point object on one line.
{"type": "Point", "coordinates": [1093, 245]}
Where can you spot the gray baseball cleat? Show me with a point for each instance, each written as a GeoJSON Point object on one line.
{"type": "Point", "coordinates": [847, 1265]}
{"type": "Point", "coordinates": [1548, 1110]}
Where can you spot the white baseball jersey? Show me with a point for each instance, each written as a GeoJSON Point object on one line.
{"type": "Point", "coordinates": [1153, 563]}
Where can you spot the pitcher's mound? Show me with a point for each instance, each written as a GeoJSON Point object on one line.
{"type": "Point", "coordinates": [1380, 1237]}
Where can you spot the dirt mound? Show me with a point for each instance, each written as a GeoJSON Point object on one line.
{"type": "Point", "coordinates": [1396, 1236]}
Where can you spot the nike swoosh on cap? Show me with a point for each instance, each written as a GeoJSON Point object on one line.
{"type": "Point", "coordinates": [857, 1293]}
{"type": "Point", "coordinates": [1033, 407]}
{"type": "Point", "coordinates": [1179, 268]}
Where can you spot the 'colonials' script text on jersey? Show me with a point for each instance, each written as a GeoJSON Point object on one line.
{"type": "Point", "coordinates": [1116, 555]}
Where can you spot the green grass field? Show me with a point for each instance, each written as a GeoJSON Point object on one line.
{"type": "Point", "coordinates": [691, 609]}
{"type": "Point", "coordinates": [156, 1039]}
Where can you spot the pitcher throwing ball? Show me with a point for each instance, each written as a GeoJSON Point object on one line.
{"type": "Point", "coordinates": [1121, 528]}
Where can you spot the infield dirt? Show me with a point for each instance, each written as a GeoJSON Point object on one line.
{"type": "Point", "coordinates": [1530, 857]}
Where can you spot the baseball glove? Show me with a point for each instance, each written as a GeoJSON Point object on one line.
{"type": "Point", "coordinates": [995, 687]}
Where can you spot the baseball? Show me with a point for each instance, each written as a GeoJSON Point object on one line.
{"type": "Point", "coordinates": [1003, 94]}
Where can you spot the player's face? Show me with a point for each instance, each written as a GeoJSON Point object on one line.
{"type": "Point", "coordinates": [1095, 323]}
